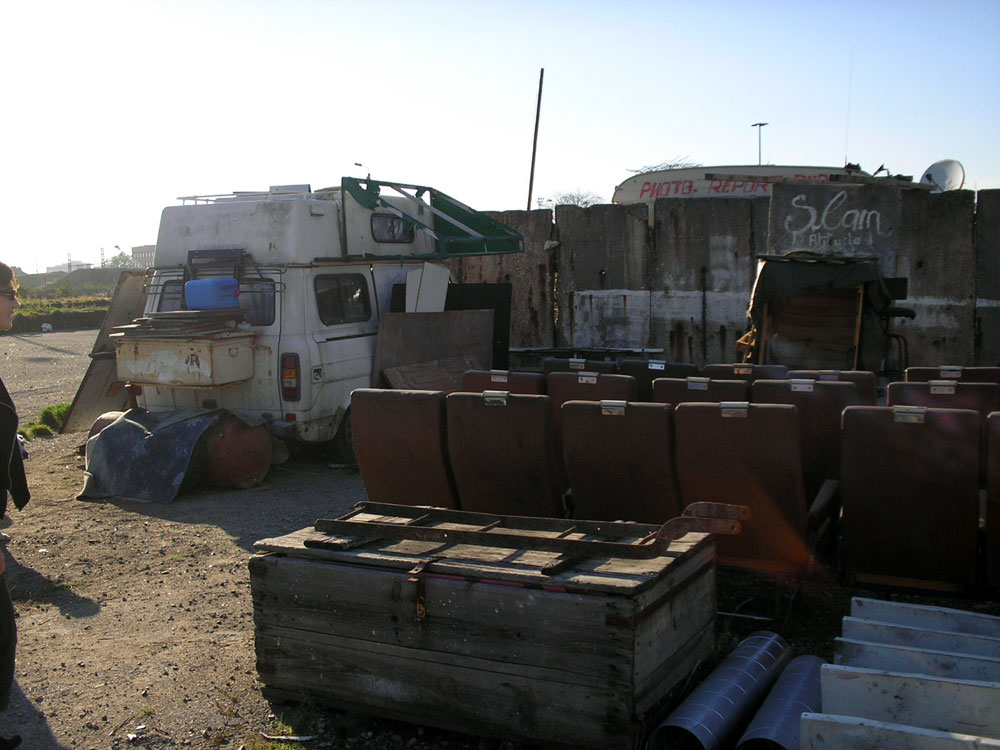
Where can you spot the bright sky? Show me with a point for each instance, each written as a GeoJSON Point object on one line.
{"type": "Point", "coordinates": [113, 109]}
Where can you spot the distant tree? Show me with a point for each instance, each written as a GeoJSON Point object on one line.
{"type": "Point", "coordinates": [122, 260]}
{"type": "Point", "coordinates": [682, 162]}
{"type": "Point", "coordinates": [576, 197]}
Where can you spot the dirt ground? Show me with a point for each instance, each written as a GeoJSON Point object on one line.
{"type": "Point", "coordinates": [136, 621]}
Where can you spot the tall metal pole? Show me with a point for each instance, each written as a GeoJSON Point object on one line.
{"type": "Point", "coordinates": [534, 142]}
{"type": "Point", "coordinates": [758, 125]}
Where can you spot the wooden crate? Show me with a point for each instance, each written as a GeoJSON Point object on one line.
{"type": "Point", "coordinates": [479, 639]}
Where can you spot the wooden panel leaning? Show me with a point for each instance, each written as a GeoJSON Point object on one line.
{"type": "Point", "coordinates": [744, 371]}
{"type": "Point", "coordinates": [748, 454]}
{"type": "Point", "coordinates": [698, 389]}
{"type": "Point", "coordinates": [993, 501]}
{"type": "Point", "coordinates": [619, 460]}
{"type": "Point", "coordinates": [910, 495]}
{"type": "Point", "coordinates": [400, 444]}
{"type": "Point", "coordinates": [477, 381]}
{"type": "Point", "coordinates": [953, 372]}
{"type": "Point", "coordinates": [865, 381]}
{"type": "Point", "coordinates": [820, 404]}
{"type": "Point", "coordinates": [645, 371]}
{"type": "Point", "coordinates": [503, 453]}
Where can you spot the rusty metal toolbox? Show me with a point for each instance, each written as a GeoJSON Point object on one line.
{"type": "Point", "coordinates": [199, 361]}
{"type": "Point", "coordinates": [541, 630]}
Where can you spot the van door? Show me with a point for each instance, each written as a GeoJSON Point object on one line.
{"type": "Point", "coordinates": [345, 323]}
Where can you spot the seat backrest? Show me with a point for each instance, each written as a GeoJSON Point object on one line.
{"type": "Point", "coordinates": [910, 494]}
{"type": "Point", "coordinates": [619, 460]}
{"type": "Point", "coordinates": [953, 372]}
{"type": "Point", "coordinates": [747, 454]}
{"type": "Point", "coordinates": [946, 394]}
{"type": "Point", "coordinates": [401, 446]}
{"type": "Point", "coordinates": [993, 501]}
{"type": "Point", "coordinates": [645, 371]}
{"type": "Point", "coordinates": [696, 389]}
{"type": "Point", "coordinates": [820, 404]}
{"type": "Point", "coordinates": [865, 380]}
{"type": "Point", "coordinates": [503, 455]}
{"type": "Point", "coordinates": [744, 371]}
{"type": "Point", "coordinates": [477, 381]}
{"type": "Point", "coordinates": [584, 386]}
{"type": "Point", "coordinates": [561, 364]}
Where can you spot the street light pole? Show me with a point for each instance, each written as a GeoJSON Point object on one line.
{"type": "Point", "coordinates": [758, 125]}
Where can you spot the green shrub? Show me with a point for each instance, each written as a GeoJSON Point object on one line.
{"type": "Point", "coordinates": [54, 416]}
{"type": "Point", "coordinates": [50, 420]}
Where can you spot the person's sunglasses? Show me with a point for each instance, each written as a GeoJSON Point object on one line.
{"type": "Point", "coordinates": [8, 293]}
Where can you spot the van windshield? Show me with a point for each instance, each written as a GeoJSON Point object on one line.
{"type": "Point", "coordinates": [256, 300]}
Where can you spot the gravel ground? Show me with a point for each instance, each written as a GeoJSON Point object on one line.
{"type": "Point", "coordinates": [41, 369]}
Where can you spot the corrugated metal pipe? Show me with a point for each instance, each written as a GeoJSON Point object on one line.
{"type": "Point", "coordinates": [721, 705]}
{"type": "Point", "coordinates": [776, 724]}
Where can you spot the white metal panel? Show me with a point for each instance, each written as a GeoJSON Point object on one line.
{"type": "Point", "coordinates": [918, 661]}
{"type": "Point", "coordinates": [826, 731]}
{"type": "Point", "coordinates": [923, 616]}
{"type": "Point", "coordinates": [930, 702]}
{"type": "Point", "coordinates": [427, 288]}
{"type": "Point", "coordinates": [938, 640]}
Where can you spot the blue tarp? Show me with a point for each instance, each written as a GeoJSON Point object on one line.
{"type": "Point", "coordinates": [144, 455]}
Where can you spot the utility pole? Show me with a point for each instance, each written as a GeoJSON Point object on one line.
{"type": "Point", "coordinates": [534, 142]}
{"type": "Point", "coordinates": [759, 126]}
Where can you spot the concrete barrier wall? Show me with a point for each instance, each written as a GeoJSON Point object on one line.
{"type": "Point", "coordinates": [937, 254]}
{"type": "Point", "coordinates": [987, 242]}
{"type": "Point", "coordinates": [531, 274]}
{"type": "Point", "coordinates": [683, 284]}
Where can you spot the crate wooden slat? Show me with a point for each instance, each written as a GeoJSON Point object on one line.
{"type": "Point", "coordinates": [478, 639]}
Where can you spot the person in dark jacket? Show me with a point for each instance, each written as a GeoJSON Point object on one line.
{"type": "Point", "coordinates": [13, 482]}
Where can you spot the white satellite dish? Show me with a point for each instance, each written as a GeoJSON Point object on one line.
{"type": "Point", "coordinates": [944, 175]}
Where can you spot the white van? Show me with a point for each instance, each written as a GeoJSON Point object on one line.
{"type": "Point", "coordinates": [315, 270]}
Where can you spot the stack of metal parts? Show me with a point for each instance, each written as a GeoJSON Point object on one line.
{"type": "Point", "coordinates": [910, 676]}
{"type": "Point", "coordinates": [181, 324]}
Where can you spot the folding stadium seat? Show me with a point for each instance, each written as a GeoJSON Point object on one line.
{"type": "Point", "coordinates": [477, 381]}
{"type": "Point", "coordinates": [694, 389]}
{"type": "Point", "coordinates": [401, 446]}
{"type": "Point", "coordinates": [559, 364]}
{"type": "Point", "coordinates": [619, 460]}
{"type": "Point", "coordinates": [946, 394]}
{"type": "Point", "coordinates": [993, 501]}
{"type": "Point", "coordinates": [953, 372]}
{"type": "Point", "coordinates": [865, 381]}
{"type": "Point", "coordinates": [821, 404]}
{"type": "Point", "coordinates": [645, 371]}
{"type": "Point", "coordinates": [744, 371]}
{"type": "Point", "coordinates": [503, 454]}
{"type": "Point", "coordinates": [584, 386]}
{"type": "Point", "coordinates": [910, 495]}
{"type": "Point", "coordinates": [750, 454]}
